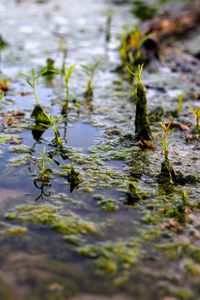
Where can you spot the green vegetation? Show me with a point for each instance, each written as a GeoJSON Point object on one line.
{"type": "Point", "coordinates": [142, 126]}
{"type": "Point", "coordinates": [66, 73]}
{"type": "Point", "coordinates": [90, 71]}
{"type": "Point", "coordinates": [196, 113]}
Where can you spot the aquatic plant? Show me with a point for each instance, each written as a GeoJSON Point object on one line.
{"type": "Point", "coordinates": [44, 174]}
{"type": "Point", "coordinates": [66, 73]}
{"type": "Point", "coordinates": [3, 43]}
{"type": "Point", "coordinates": [196, 113]}
{"type": "Point", "coordinates": [144, 10]}
{"type": "Point", "coordinates": [142, 126]}
{"type": "Point", "coordinates": [180, 104]}
{"type": "Point", "coordinates": [167, 173]}
{"type": "Point", "coordinates": [164, 137]}
{"type": "Point", "coordinates": [175, 113]}
{"type": "Point", "coordinates": [57, 139]}
{"type": "Point", "coordinates": [133, 195]}
{"type": "Point", "coordinates": [90, 72]}
{"type": "Point", "coordinates": [73, 176]}
{"type": "Point", "coordinates": [38, 113]}
{"type": "Point", "coordinates": [131, 48]}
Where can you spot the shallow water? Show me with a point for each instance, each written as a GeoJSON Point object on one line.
{"type": "Point", "coordinates": [89, 243]}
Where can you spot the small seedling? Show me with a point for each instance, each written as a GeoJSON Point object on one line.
{"type": "Point", "coordinates": [33, 79]}
{"type": "Point", "coordinates": [44, 173]}
{"type": "Point", "coordinates": [175, 113]}
{"type": "Point", "coordinates": [90, 71]}
{"type": "Point", "coordinates": [142, 126]}
{"type": "Point", "coordinates": [66, 73]}
{"type": "Point", "coordinates": [167, 173]}
{"type": "Point", "coordinates": [38, 112]}
{"type": "Point", "coordinates": [164, 137]}
{"type": "Point", "coordinates": [196, 113]}
{"type": "Point", "coordinates": [57, 139]}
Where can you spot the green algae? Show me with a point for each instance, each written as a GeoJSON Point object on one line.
{"type": "Point", "coordinates": [113, 258]}
{"type": "Point", "coordinates": [7, 229]}
{"type": "Point", "coordinates": [52, 216]}
{"type": "Point", "coordinates": [109, 205]}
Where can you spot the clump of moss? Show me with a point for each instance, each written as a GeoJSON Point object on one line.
{"type": "Point", "coordinates": [133, 194]}
{"type": "Point", "coordinates": [66, 223]}
{"type": "Point", "coordinates": [107, 205]}
{"type": "Point", "coordinates": [113, 258]}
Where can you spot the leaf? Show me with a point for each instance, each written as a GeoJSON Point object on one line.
{"type": "Point", "coordinates": [40, 115]}
{"type": "Point", "coordinates": [29, 83]}
{"type": "Point", "coordinates": [56, 71]}
{"type": "Point", "coordinates": [43, 71]}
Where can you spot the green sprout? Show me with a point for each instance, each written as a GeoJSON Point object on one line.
{"type": "Point", "coordinates": [44, 173]}
{"type": "Point", "coordinates": [57, 139]}
{"type": "Point", "coordinates": [196, 113]}
{"type": "Point", "coordinates": [33, 79]}
{"type": "Point", "coordinates": [66, 73]}
{"type": "Point", "coordinates": [90, 72]}
{"type": "Point", "coordinates": [175, 113]}
{"type": "Point", "coordinates": [38, 112]}
{"type": "Point", "coordinates": [142, 126]}
{"type": "Point", "coordinates": [167, 174]}
{"type": "Point", "coordinates": [164, 137]}
{"type": "Point", "coordinates": [180, 103]}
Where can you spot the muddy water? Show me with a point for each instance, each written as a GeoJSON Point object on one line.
{"type": "Point", "coordinates": [89, 243]}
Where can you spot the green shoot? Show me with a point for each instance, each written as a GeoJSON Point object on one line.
{"type": "Point", "coordinates": [90, 72]}
{"type": "Point", "coordinates": [44, 173]}
{"type": "Point", "coordinates": [66, 73]}
{"type": "Point", "coordinates": [180, 103]}
{"type": "Point", "coordinates": [164, 137]}
{"type": "Point", "coordinates": [196, 113]}
{"type": "Point", "coordinates": [138, 75]}
{"type": "Point", "coordinates": [33, 79]}
{"type": "Point", "coordinates": [57, 140]}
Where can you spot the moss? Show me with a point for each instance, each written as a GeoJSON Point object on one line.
{"type": "Point", "coordinates": [113, 257]}
{"type": "Point", "coordinates": [67, 223]}
{"type": "Point", "coordinates": [181, 293]}
{"type": "Point", "coordinates": [15, 230]}
{"type": "Point", "coordinates": [152, 218]}
{"type": "Point", "coordinates": [108, 205]}
{"type": "Point", "coordinates": [19, 149]}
